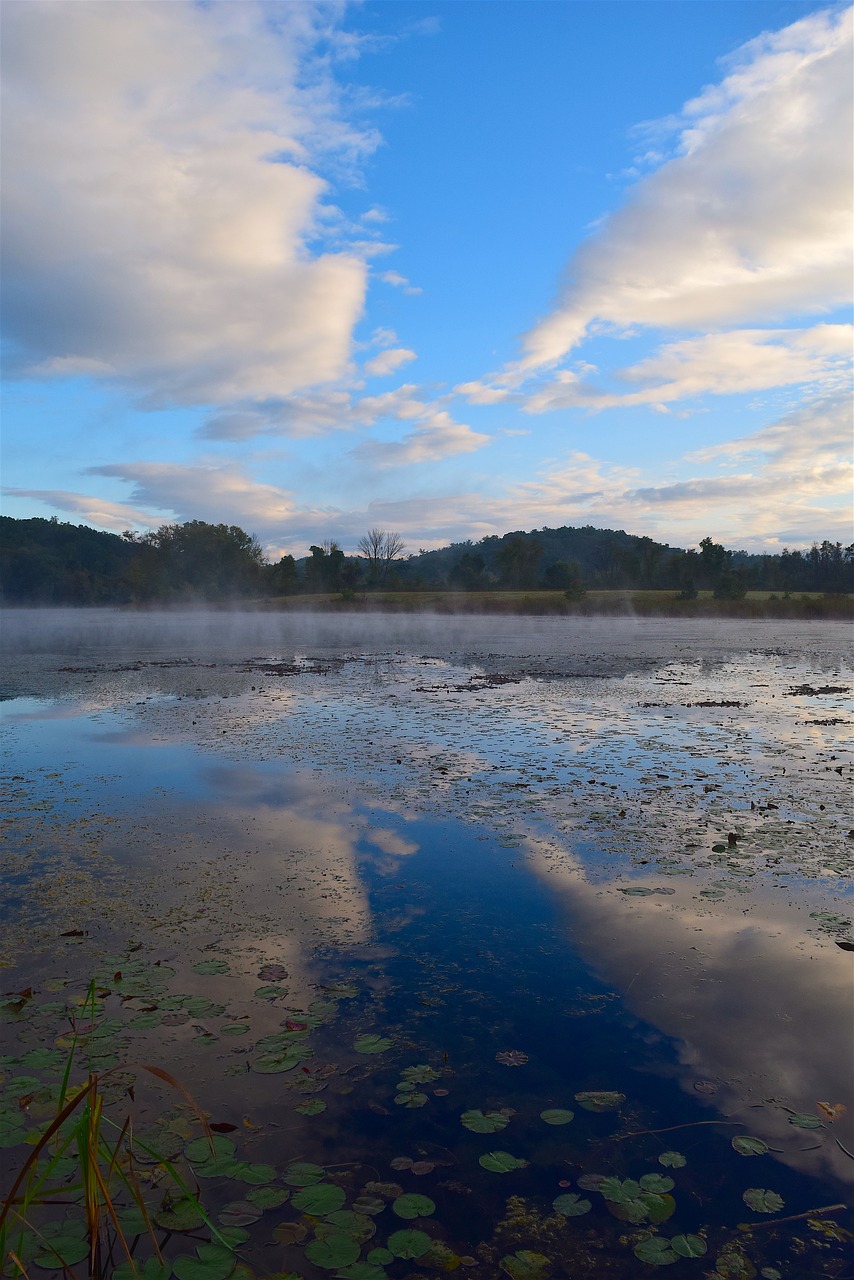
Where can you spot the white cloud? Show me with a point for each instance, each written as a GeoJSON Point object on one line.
{"type": "Point", "coordinates": [159, 197]}
{"type": "Point", "coordinates": [734, 362]}
{"type": "Point", "coordinates": [399, 282]}
{"type": "Point", "coordinates": [750, 220]}
{"type": "Point", "coordinates": [387, 361]}
{"type": "Point", "coordinates": [436, 437]}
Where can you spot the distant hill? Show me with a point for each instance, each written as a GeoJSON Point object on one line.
{"type": "Point", "coordinates": [48, 562]}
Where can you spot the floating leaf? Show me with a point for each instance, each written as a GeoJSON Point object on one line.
{"type": "Point", "coordinates": [421, 1073]}
{"type": "Point", "coordinates": [290, 1233]}
{"type": "Point", "coordinates": [312, 1108]}
{"type": "Point", "coordinates": [479, 1122]}
{"type": "Point", "coordinates": [762, 1201]}
{"type": "Point", "coordinates": [272, 973]}
{"type": "Point", "coordinates": [656, 1251]}
{"type": "Point", "coordinates": [239, 1213]}
{"type": "Point", "coordinates": [420, 1167]}
{"type": "Point", "coordinates": [303, 1174]}
{"type": "Point", "coordinates": [525, 1264]}
{"type": "Point", "coordinates": [182, 1214]}
{"type": "Point", "coordinates": [599, 1099]}
{"type": "Point", "coordinates": [412, 1100]}
{"type": "Point", "coordinates": [369, 1204]}
{"type": "Point", "coordinates": [234, 1029]}
{"type": "Point", "coordinates": [637, 891]}
{"type": "Point", "coordinates": [572, 1205]}
{"type": "Point", "coordinates": [688, 1246]}
{"type": "Point", "coordinates": [804, 1120]}
{"type": "Point", "coordinates": [413, 1205]}
{"type": "Point", "coordinates": [556, 1115]}
{"type": "Point", "coordinates": [257, 1175]}
{"type": "Point", "coordinates": [409, 1243]}
{"type": "Point", "coordinates": [62, 1251]}
{"type": "Point", "coordinates": [501, 1162]}
{"type": "Point", "coordinates": [271, 1064]}
{"type": "Point", "coordinates": [319, 1199]}
{"type": "Point", "coordinates": [672, 1159]}
{"type": "Point", "coordinates": [211, 966]}
{"type": "Point", "coordinates": [620, 1192]}
{"type": "Point", "coordinates": [211, 1262]}
{"type": "Point", "coordinates": [511, 1058]}
{"type": "Point", "coordinates": [381, 1257]}
{"type": "Point", "coordinates": [371, 1044]}
{"type": "Point", "coordinates": [333, 1251]}
{"type": "Point", "coordinates": [747, 1146]}
{"type": "Point", "coordinates": [268, 1197]}
{"type": "Point", "coordinates": [357, 1225]}
{"type": "Point", "coordinates": [200, 1150]}
{"type": "Point", "coordinates": [656, 1182]}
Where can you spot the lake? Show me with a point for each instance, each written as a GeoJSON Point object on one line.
{"type": "Point", "coordinates": [489, 946]}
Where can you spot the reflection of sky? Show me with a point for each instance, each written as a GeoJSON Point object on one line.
{"type": "Point", "coordinates": [199, 771]}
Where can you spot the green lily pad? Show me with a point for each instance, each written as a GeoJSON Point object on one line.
{"type": "Point", "coordinates": [747, 1146]}
{"type": "Point", "coordinates": [372, 1205]}
{"type": "Point", "coordinates": [268, 1197]}
{"type": "Point", "coordinates": [490, 1122]}
{"type": "Point", "coordinates": [273, 1064]}
{"type": "Point", "coordinates": [413, 1205]}
{"type": "Point", "coordinates": [600, 1099]}
{"type": "Point", "coordinates": [270, 992]}
{"type": "Point", "coordinates": [319, 1199]}
{"type": "Point", "coordinates": [421, 1073]}
{"type": "Point", "coordinates": [62, 1250]}
{"type": "Point", "coordinates": [181, 1214]}
{"type": "Point", "coordinates": [409, 1243]}
{"type": "Point", "coordinates": [234, 1029]}
{"type": "Point", "coordinates": [672, 1160]}
{"type": "Point", "coordinates": [212, 1262]}
{"type": "Point", "coordinates": [239, 1213]}
{"type": "Point", "coordinates": [688, 1246]}
{"type": "Point", "coordinates": [380, 1257]}
{"type": "Point", "coordinates": [352, 1224]}
{"type": "Point", "coordinates": [620, 1192]}
{"type": "Point", "coordinates": [333, 1252]}
{"type": "Point", "coordinates": [151, 1269]}
{"type": "Point", "coordinates": [804, 1120]}
{"type": "Point", "coordinates": [211, 966]}
{"type": "Point", "coordinates": [656, 1251]}
{"type": "Point", "coordinates": [557, 1115]}
{"type": "Point", "coordinates": [313, 1107]}
{"type": "Point", "coordinates": [525, 1264]}
{"type": "Point", "coordinates": [571, 1205]}
{"type": "Point", "coordinates": [411, 1100]}
{"type": "Point", "coordinates": [303, 1174]}
{"type": "Point", "coordinates": [201, 1150]}
{"type": "Point", "coordinates": [656, 1182]}
{"type": "Point", "coordinates": [762, 1201]}
{"type": "Point", "coordinates": [371, 1044]}
{"type": "Point", "coordinates": [501, 1162]}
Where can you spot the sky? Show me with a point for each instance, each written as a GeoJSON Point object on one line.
{"type": "Point", "coordinates": [450, 269]}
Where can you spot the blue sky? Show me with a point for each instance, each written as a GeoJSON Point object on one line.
{"type": "Point", "coordinates": [449, 268]}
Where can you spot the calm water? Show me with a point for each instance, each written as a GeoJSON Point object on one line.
{"type": "Point", "coordinates": [351, 880]}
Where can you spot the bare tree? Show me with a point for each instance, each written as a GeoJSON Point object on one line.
{"type": "Point", "coordinates": [379, 548]}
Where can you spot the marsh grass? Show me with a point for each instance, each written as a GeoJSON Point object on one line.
{"type": "Point", "coordinates": [85, 1159]}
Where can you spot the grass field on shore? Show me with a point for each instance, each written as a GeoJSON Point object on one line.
{"type": "Point", "coordinates": [756, 604]}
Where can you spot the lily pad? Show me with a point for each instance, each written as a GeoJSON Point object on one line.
{"type": "Point", "coordinates": [556, 1115]}
{"type": "Point", "coordinates": [181, 1214]}
{"type": "Point", "coordinates": [211, 1262]}
{"type": "Point", "coordinates": [268, 1197]}
{"type": "Point", "coordinates": [747, 1146]}
{"type": "Point", "coordinates": [672, 1160]}
{"type": "Point", "coordinates": [688, 1246]}
{"type": "Point", "coordinates": [511, 1058]}
{"type": "Point", "coordinates": [411, 1100]}
{"type": "Point", "coordinates": [303, 1174]}
{"type": "Point", "coordinates": [413, 1205]}
{"type": "Point", "coordinates": [312, 1108]}
{"type": "Point", "coordinates": [656, 1182]}
{"type": "Point", "coordinates": [409, 1243]}
{"type": "Point", "coordinates": [600, 1099]}
{"type": "Point", "coordinates": [761, 1200]}
{"type": "Point", "coordinates": [501, 1162]}
{"type": "Point", "coordinates": [211, 966]}
{"type": "Point", "coordinates": [656, 1251]}
{"type": "Point", "coordinates": [525, 1264]}
{"type": "Point", "coordinates": [490, 1122]}
{"type": "Point", "coordinates": [202, 1150]}
{"type": "Point", "coordinates": [804, 1120]}
{"type": "Point", "coordinates": [239, 1213]}
{"type": "Point", "coordinates": [571, 1205]}
{"type": "Point", "coordinates": [333, 1252]}
{"type": "Point", "coordinates": [371, 1044]}
{"type": "Point", "coordinates": [319, 1199]}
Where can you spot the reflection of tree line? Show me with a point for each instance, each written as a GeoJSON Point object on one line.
{"type": "Point", "coordinates": [48, 562]}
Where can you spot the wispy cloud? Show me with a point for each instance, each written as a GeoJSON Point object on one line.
{"type": "Point", "coordinates": [750, 218]}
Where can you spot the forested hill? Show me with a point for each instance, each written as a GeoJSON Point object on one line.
{"type": "Point", "coordinates": [53, 563]}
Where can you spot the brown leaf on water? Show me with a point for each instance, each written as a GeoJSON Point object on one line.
{"type": "Point", "coordinates": [832, 1111]}
{"type": "Point", "coordinates": [223, 1127]}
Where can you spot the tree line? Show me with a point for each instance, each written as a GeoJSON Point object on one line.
{"type": "Point", "coordinates": [49, 562]}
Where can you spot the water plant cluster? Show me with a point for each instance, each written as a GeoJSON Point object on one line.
{"type": "Point", "coordinates": [117, 1170]}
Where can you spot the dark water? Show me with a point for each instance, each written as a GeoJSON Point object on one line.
{"type": "Point", "coordinates": [434, 863]}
